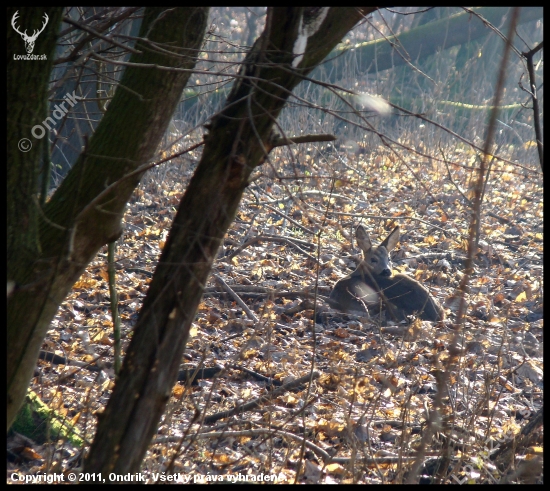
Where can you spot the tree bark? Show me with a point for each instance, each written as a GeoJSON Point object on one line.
{"type": "Point", "coordinates": [239, 140]}
{"type": "Point", "coordinates": [27, 84]}
{"type": "Point", "coordinates": [82, 216]}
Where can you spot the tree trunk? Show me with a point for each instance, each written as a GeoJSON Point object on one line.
{"type": "Point", "coordinates": [423, 41]}
{"type": "Point", "coordinates": [84, 214]}
{"type": "Point", "coordinates": [238, 142]}
{"type": "Point", "coordinates": [27, 108]}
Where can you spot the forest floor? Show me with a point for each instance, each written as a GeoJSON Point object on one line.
{"type": "Point", "coordinates": [370, 384]}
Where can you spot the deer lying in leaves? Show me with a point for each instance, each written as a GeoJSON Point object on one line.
{"type": "Point", "coordinates": [373, 285]}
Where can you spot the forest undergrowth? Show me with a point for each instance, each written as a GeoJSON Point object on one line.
{"type": "Point", "coordinates": [263, 324]}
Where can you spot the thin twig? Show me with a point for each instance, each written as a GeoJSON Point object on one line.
{"type": "Point", "coordinates": [260, 400]}
{"type": "Point", "coordinates": [251, 315]}
{"type": "Point", "coordinates": [268, 238]}
{"type": "Point", "coordinates": [444, 376]}
{"type": "Point", "coordinates": [291, 220]}
{"type": "Point", "coordinates": [108, 39]}
{"type": "Point", "coordinates": [280, 141]}
{"type": "Point", "coordinates": [533, 92]}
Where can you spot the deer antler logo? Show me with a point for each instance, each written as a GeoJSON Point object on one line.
{"type": "Point", "coordinates": [29, 40]}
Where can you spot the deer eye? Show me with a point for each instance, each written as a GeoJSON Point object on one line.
{"type": "Point", "coordinates": [373, 260]}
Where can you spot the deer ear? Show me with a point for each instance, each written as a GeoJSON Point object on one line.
{"type": "Point", "coordinates": [391, 240]}
{"type": "Point", "coordinates": [363, 239]}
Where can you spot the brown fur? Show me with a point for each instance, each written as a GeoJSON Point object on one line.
{"type": "Point", "coordinates": [372, 284]}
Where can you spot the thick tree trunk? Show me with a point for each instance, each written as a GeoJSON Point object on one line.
{"type": "Point", "coordinates": [82, 216]}
{"type": "Point", "coordinates": [27, 108]}
{"type": "Point", "coordinates": [238, 142]}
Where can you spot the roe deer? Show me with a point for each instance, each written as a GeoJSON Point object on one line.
{"type": "Point", "coordinates": [372, 284]}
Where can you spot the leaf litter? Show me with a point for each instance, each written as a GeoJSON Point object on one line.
{"type": "Point", "coordinates": [361, 415]}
